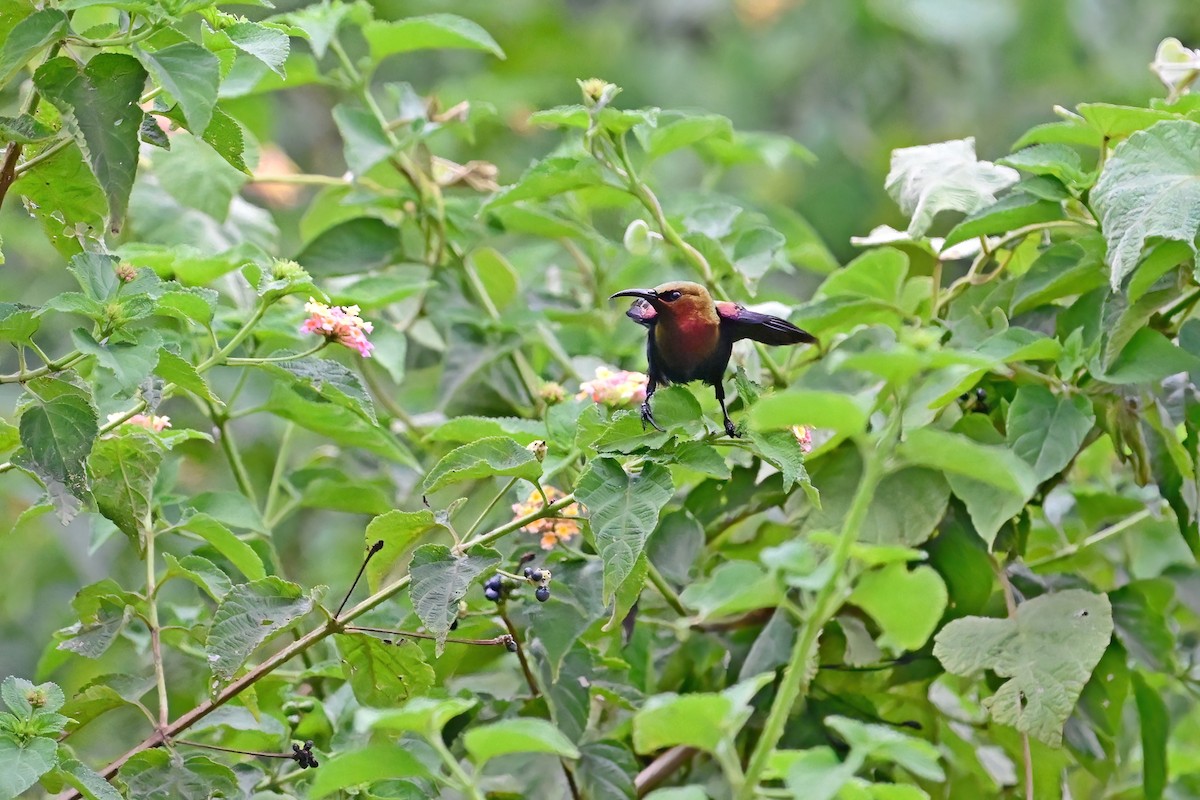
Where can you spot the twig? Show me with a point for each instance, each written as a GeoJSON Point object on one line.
{"type": "Point", "coordinates": [1116, 529]}
{"type": "Point", "coordinates": [503, 639]}
{"type": "Point", "coordinates": [375, 548]}
{"type": "Point", "coordinates": [662, 768]}
{"type": "Point", "coordinates": [1010, 603]}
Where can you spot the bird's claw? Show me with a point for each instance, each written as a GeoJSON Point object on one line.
{"type": "Point", "coordinates": [648, 417]}
{"type": "Point", "coordinates": [731, 430]}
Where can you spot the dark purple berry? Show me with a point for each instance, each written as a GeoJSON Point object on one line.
{"type": "Point", "coordinates": [528, 571]}
{"type": "Point", "coordinates": [511, 645]}
{"type": "Point", "coordinates": [491, 594]}
{"type": "Point", "coordinates": [536, 575]}
{"type": "Point", "coordinates": [542, 594]}
{"type": "Point", "coordinates": [493, 583]}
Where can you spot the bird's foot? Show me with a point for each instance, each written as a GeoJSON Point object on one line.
{"type": "Point", "coordinates": [648, 417]}
{"type": "Point", "coordinates": [731, 430]}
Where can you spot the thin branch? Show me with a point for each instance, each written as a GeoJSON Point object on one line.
{"type": "Point", "coordinates": [1010, 603]}
{"type": "Point", "coordinates": [662, 768]}
{"type": "Point", "coordinates": [375, 548]}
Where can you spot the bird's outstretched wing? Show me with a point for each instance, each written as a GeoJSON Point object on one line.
{"type": "Point", "coordinates": [641, 312]}
{"type": "Point", "coordinates": [744, 324]}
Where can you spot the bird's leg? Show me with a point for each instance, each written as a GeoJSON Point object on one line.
{"type": "Point", "coordinates": [647, 415]}
{"type": "Point", "coordinates": [730, 428]}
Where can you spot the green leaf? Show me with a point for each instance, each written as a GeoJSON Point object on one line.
{"type": "Point", "coordinates": [399, 531]}
{"type": "Point", "coordinates": [249, 615]}
{"type": "Point", "coordinates": [159, 775]}
{"type": "Point", "coordinates": [606, 769]}
{"type": "Point", "coordinates": [58, 431]}
{"type": "Point", "coordinates": [519, 735]}
{"type": "Point", "coordinates": [364, 142]}
{"type": "Point", "coordinates": [183, 374]}
{"type": "Point", "coordinates": [28, 37]}
{"type": "Point", "coordinates": [1155, 733]}
{"type": "Point", "coordinates": [22, 763]}
{"type": "Point", "coordinates": [124, 466]}
{"type": "Point", "coordinates": [946, 176]}
{"type": "Point", "coordinates": [356, 246]}
{"type": "Point", "coordinates": [496, 274]}
{"type": "Point", "coordinates": [210, 578]}
{"type": "Point", "coordinates": [468, 429]}
{"type": "Point", "coordinates": [19, 695]}
{"type": "Point", "coordinates": [1117, 122]}
{"type": "Point", "coordinates": [197, 176]}
{"type": "Point", "coordinates": [1056, 160]}
{"type": "Point", "coordinates": [495, 456]}
{"type": "Point", "coordinates": [1047, 431]}
{"type": "Point", "coordinates": [1047, 651]}
{"type": "Point", "coordinates": [1013, 211]}
{"type": "Point", "coordinates": [329, 379]}
{"type": "Point", "coordinates": [433, 31]}
{"type": "Point", "coordinates": [906, 604]}
{"type": "Point", "coordinates": [783, 451]}
{"type": "Point", "coordinates": [1148, 358]}
{"type": "Point", "coordinates": [674, 130]}
{"type": "Point", "coordinates": [375, 762]}
{"type": "Point", "coordinates": [704, 720]}
{"type": "Point", "coordinates": [96, 274]}
{"type": "Point", "coordinates": [99, 106]}
{"type": "Point", "coordinates": [382, 674]}
{"type": "Point", "coordinates": [129, 362]}
{"type": "Point", "coordinates": [819, 409]}
{"type": "Point", "coordinates": [269, 45]}
{"type": "Point", "coordinates": [876, 274]}
{"type": "Point", "coordinates": [309, 410]}
{"type": "Point", "coordinates": [424, 715]}
{"type": "Point", "coordinates": [440, 579]}
{"type": "Point", "coordinates": [1150, 186]}
{"type": "Point", "coordinates": [190, 74]}
{"type": "Point", "coordinates": [734, 587]}
{"type": "Point", "coordinates": [882, 743]}
{"type": "Point", "coordinates": [18, 322]}
{"type": "Point", "coordinates": [24, 129]}
{"type": "Point", "coordinates": [63, 194]}
{"type": "Point", "coordinates": [239, 553]}
{"type": "Point", "coordinates": [623, 510]}
{"type": "Point", "coordinates": [90, 784]}
{"type": "Point", "coordinates": [1140, 614]}
{"type": "Point", "coordinates": [957, 454]}
{"type": "Point", "coordinates": [989, 507]}
{"type": "Point", "coordinates": [548, 178]}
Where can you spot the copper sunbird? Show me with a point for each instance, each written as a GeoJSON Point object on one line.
{"type": "Point", "coordinates": [690, 337]}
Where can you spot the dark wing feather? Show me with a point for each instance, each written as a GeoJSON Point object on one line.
{"type": "Point", "coordinates": [743, 324]}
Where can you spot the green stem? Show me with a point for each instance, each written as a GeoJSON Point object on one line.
{"type": "Point", "coordinates": [250, 362]}
{"type": "Point", "coordinates": [1116, 529]}
{"type": "Point", "coordinates": [22, 376]}
{"type": "Point", "coordinates": [797, 673]}
{"type": "Point", "coordinates": [235, 458]}
{"type": "Point", "coordinates": [664, 588]}
{"type": "Point", "coordinates": [281, 459]}
{"type": "Point", "coordinates": [465, 784]}
{"type": "Point", "coordinates": [155, 639]}
{"type": "Point", "coordinates": [483, 515]}
{"type": "Point", "coordinates": [239, 337]}
{"type": "Point", "coordinates": [524, 370]}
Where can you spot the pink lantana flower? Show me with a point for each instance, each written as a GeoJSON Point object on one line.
{"type": "Point", "coordinates": [614, 388]}
{"type": "Point", "coordinates": [340, 324]}
{"type": "Point", "coordinates": [151, 422]}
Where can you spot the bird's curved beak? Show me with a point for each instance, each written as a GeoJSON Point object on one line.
{"type": "Point", "coordinates": [645, 294]}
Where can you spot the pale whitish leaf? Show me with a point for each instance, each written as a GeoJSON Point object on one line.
{"type": "Point", "coordinates": [1047, 431]}
{"type": "Point", "coordinates": [623, 510]}
{"type": "Point", "coordinates": [190, 74]}
{"type": "Point", "coordinates": [440, 579]}
{"type": "Point", "coordinates": [1150, 186]}
{"type": "Point", "coordinates": [1048, 651]}
{"type": "Point", "coordinates": [250, 614]}
{"type": "Point", "coordinates": [269, 45]}
{"type": "Point", "coordinates": [943, 177]}
{"type": "Point", "coordinates": [1175, 65]}
{"type": "Point", "coordinates": [99, 106]}
{"type": "Point", "coordinates": [124, 466]}
{"type": "Point", "coordinates": [519, 735]}
{"type": "Point", "coordinates": [22, 763]}
{"type": "Point", "coordinates": [495, 456]}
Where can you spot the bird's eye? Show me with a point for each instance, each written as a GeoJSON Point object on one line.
{"type": "Point", "coordinates": [672, 295]}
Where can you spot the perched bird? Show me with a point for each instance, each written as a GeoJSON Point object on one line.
{"type": "Point", "coordinates": [691, 337]}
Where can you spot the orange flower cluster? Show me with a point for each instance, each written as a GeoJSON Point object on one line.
{"type": "Point", "coordinates": [340, 324]}
{"type": "Point", "coordinates": [551, 530]}
{"type": "Point", "coordinates": [614, 388]}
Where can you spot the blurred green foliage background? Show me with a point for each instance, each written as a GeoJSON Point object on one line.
{"type": "Point", "coordinates": [849, 79]}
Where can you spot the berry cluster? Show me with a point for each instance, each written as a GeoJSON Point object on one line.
{"type": "Point", "coordinates": [494, 588]}
{"type": "Point", "coordinates": [304, 755]}
{"type": "Point", "coordinates": [497, 586]}
{"type": "Point", "coordinates": [541, 577]}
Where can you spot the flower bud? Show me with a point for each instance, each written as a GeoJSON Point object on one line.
{"type": "Point", "coordinates": [639, 239]}
{"type": "Point", "coordinates": [126, 272]}
{"type": "Point", "coordinates": [552, 392]}
{"type": "Point", "coordinates": [598, 92]}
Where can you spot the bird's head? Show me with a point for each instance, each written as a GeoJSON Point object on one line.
{"type": "Point", "coordinates": [677, 300]}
